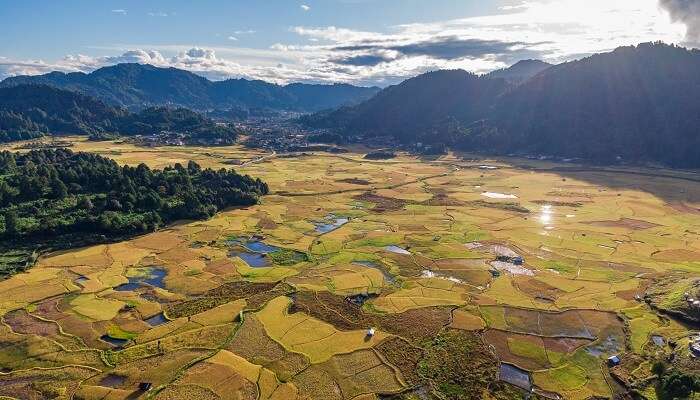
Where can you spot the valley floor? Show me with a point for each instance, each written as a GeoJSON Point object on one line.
{"type": "Point", "coordinates": [467, 271]}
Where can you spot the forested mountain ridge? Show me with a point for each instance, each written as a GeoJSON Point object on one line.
{"type": "Point", "coordinates": [637, 103]}
{"type": "Point", "coordinates": [59, 199]}
{"type": "Point", "coordinates": [138, 86]}
{"type": "Point", "coordinates": [30, 111]}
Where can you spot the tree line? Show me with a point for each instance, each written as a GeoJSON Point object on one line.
{"type": "Point", "coordinates": [50, 198]}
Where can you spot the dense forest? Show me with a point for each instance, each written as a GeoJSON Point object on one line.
{"type": "Point", "coordinates": [636, 104]}
{"type": "Point", "coordinates": [139, 86]}
{"type": "Point", "coordinates": [58, 199]}
{"type": "Point", "coordinates": [30, 111]}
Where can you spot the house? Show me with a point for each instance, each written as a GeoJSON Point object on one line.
{"type": "Point", "coordinates": [613, 361]}
{"type": "Point", "coordinates": [145, 386]}
{"type": "Point", "coordinates": [370, 332]}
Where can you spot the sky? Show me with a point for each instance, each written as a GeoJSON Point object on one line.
{"type": "Point", "coordinates": [363, 42]}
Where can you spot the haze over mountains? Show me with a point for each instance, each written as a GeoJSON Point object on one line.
{"type": "Point", "coordinates": [137, 86]}
{"type": "Point", "coordinates": [638, 103]}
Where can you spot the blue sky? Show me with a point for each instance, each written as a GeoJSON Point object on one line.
{"type": "Point", "coordinates": [356, 41]}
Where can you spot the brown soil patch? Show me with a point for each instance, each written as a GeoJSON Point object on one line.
{"type": "Point", "coordinates": [21, 322]}
{"type": "Point", "coordinates": [382, 204]}
{"type": "Point", "coordinates": [256, 295]}
{"type": "Point", "coordinates": [536, 288]}
{"type": "Point", "coordinates": [564, 345]}
{"type": "Point", "coordinates": [223, 266]}
{"type": "Point", "coordinates": [404, 356]}
{"type": "Point", "coordinates": [557, 203]}
{"type": "Point", "coordinates": [355, 181]}
{"type": "Point", "coordinates": [676, 255]}
{"type": "Point", "coordinates": [43, 384]}
{"type": "Point", "coordinates": [443, 200]}
{"type": "Point", "coordinates": [628, 223]}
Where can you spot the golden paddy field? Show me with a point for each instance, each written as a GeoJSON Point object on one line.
{"type": "Point", "coordinates": [418, 238]}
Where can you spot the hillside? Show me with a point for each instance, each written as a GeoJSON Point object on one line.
{"type": "Point", "coordinates": [638, 103]}
{"type": "Point", "coordinates": [30, 111]}
{"type": "Point", "coordinates": [424, 108]}
{"type": "Point", "coordinates": [137, 86]}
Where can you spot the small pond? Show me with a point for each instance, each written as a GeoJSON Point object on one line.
{"type": "Point", "coordinates": [397, 250]}
{"type": "Point", "coordinates": [515, 376]}
{"type": "Point", "coordinates": [113, 381]}
{"type": "Point", "coordinates": [255, 260]}
{"type": "Point", "coordinates": [253, 252]}
{"type": "Point", "coordinates": [81, 279]}
{"type": "Point", "coordinates": [158, 319]}
{"type": "Point", "coordinates": [609, 346]}
{"type": "Point", "coordinates": [330, 223]}
{"type": "Point", "coordinates": [118, 343]}
{"type": "Point", "coordinates": [144, 276]}
{"type": "Point", "coordinates": [658, 340]}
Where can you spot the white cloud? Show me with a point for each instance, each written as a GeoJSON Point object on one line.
{"type": "Point", "coordinates": [244, 32]}
{"type": "Point", "coordinates": [232, 38]}
{"type": "Point", "coordinates": [158, 14]}
{"type": "Point", "coordinates": [119, 11]}
{"type": "Point", "coordinates": [553, 30]}
{"type": "Point", "coordinates": [305, 7]}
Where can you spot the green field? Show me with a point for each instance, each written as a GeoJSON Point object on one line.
{"type": "Point", "coordinates": [422, 249]}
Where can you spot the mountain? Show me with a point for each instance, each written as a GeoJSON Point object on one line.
{"type": "Point", "coordinates": [638, 103]}
{"type": "Point", "coordinates": [30, 111]}
{"type": "Point", "coordinates": [520, 71]}
{"type": "Point", "coordinates": [137, 86]}
{"type": "Point", "coordinates": [418, 109]}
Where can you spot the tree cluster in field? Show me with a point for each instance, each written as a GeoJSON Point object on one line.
{"type": "Point", "coordinates": [31, 111]}
{"type": "Point", "coordinates": [637, 103]}
{"type": "Point", "coordinates": [46, 194]}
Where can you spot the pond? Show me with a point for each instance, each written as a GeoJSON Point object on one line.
{"type": "Point", "coordinates": [254, 252]}
{"type": "Point", "coordinates": [515, 376]}
{"type": "Point", "coordinates": [158, 319]}
{"type": "Point", "coordinates": [330, 223]}
{"type": "Point", "coordinates": [113, 381]}
{"type": "Point", "coordinates": [397, 250]}
{"type": "Point", "coordinates": [255, 260]}
{"type": "Point", "coordinates": [495, 195]}
{"type": "Point", "coordinates": [81, 279]}
{"type": "Point", "coordinates": [118, 343]}
{"type": "Point", "coordinates": [258, 246]}
{"type": "Point", "coordinates": [143, 276]}
{"type": "Point", "coordinates": [658, 340]}
{"type": "Point", "coordinates": [608, 346]}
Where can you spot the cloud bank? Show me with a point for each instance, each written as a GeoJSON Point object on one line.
{"type": "Point", "coordinates": [688, 13]}
{"type": "Point", "coordinates": [551, 30]}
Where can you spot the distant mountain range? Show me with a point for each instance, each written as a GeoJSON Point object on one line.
{"type": "Point", "coordinates": [138, 86]}
{"type": "Point", "coordinates": [637, 103]}
{"type": "Point", "coordinates": [31, 111]}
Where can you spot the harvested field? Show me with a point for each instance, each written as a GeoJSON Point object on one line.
{"type": "Point", "coordinates": [413, 250]}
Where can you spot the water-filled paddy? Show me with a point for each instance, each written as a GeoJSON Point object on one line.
{"type": "Point", "coordinates": [438, 253]}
